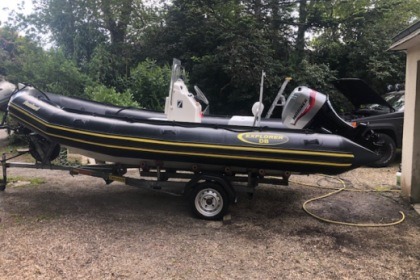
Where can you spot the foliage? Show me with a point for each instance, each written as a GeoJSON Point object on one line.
{"type": "Point", "coordinates": [149, 84]}
{"type": "Point", "coordinates": [25, 62]}
{"type": "Point", "coordinates": [221, 45]}
{"type": "Point", "coordinates": [86, 31]}
{"type": "Point", "coordinates": [101, 93]}
{"type": "Point", "coordinates": [101, 66]}
{"type": "Point", "coordinates": [356, 44]}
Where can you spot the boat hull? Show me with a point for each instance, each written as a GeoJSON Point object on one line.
{"type": "Point", "coordinates": [132, 142]}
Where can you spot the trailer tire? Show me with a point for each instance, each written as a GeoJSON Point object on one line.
{"type": "Point", "coordinates": [209, 201]}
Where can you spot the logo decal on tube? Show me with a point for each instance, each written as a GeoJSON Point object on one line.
{"type": "Point", "coordinates": [264, 139]}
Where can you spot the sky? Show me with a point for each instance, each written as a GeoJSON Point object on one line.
{"type": "Point", "coordinates": [6, 6]}
{"type": "Point", "coordinates": [13, 5]}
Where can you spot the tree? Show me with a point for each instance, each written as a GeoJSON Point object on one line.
{"type": "Point", "coordinates": [224, 45]}
{"type": "Point", "coordinates": [221, 46]}
{"type": "Point", "coordinates": [84, 29]}
{"type": "Point", "coordinates": [100, 93]}
{"type": "Point", "coordinates": [356, 44]}
{"type": "Point", "coordinates": [149, 84]}
{"type": "Point", "coordinates": [23, 61]}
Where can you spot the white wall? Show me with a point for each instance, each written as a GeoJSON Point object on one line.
{"type": "Point", "coordinates": [410, 177]}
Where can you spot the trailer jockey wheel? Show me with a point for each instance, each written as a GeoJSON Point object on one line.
{"type": "Point", "coordinates": [209, 201]}
{"type": "Point", "coordinates": [43, 150]}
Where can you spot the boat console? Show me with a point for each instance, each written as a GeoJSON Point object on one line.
{"type": "Point", "coordinates": [181, 106]}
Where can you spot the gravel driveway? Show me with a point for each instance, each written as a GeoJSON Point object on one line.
{"type": "Point", "coordinates": [55, 226]}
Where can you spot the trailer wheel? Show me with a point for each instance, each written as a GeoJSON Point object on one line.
{"type": "Point", "coordinates": [209, 201]}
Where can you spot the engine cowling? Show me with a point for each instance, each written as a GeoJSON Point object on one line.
{"type": "Point", "coordinates": [301, 107]}
{"type": "Point", "coordinates": [308, 109]}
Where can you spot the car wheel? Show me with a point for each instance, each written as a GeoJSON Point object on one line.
{"type": "Point", "coordinates": [387, 150]}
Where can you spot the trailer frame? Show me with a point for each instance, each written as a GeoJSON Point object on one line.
{"type": "Point", "coordinates": [209, 193]}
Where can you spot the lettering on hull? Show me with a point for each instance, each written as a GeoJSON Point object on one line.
{"type": "Point", "coordinates": [265, 139]}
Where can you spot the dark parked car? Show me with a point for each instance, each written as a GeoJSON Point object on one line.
{"type": "Point", "coordinates": [383, 114]}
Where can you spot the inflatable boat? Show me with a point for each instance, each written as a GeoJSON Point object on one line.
{"type": "Point", "coordinates": [310, 137]}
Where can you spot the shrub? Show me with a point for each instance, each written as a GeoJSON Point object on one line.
{"type": "Point", "coordinates": [101, 93]}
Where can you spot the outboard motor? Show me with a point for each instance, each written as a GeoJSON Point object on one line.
{"type": "Point", "coordinates": [308, 109]}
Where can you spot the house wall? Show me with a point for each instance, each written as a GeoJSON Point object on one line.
{"type": "Point", "coordinates": [410, 177]}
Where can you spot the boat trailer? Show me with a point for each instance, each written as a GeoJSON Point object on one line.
{"type": "Point", "coordinates": [209, 193]}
